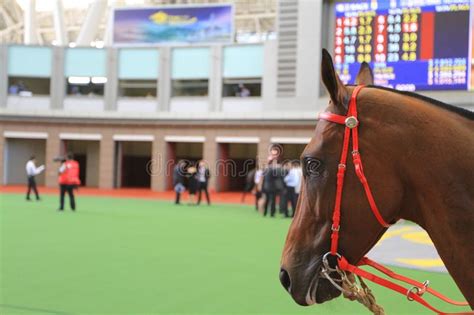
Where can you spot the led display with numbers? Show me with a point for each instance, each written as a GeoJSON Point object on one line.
{"type": "Point", "coordinates": [410, 44]}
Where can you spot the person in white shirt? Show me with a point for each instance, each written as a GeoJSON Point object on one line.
{"type": "Point", "coordinates": [203, 176]}
{"type": "Point", "coordinates": [299, 173]}
{"type": "Point", "coordinates": [258, 178]}
{"type": "Point", "coordinates": [293, 184]}
{"type": "Point", "coordinates": [243, 91]}
{"type": "Point", "coordinates": [31, 172]}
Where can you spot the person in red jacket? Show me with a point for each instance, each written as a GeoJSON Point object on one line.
{"type": "Point", "coordinates": [68, 180]}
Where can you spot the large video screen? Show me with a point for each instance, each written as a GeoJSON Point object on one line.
{"type": "Point", "coordinates": [177, 24]}
{"type": "Point", "coordinates": [410, 44]}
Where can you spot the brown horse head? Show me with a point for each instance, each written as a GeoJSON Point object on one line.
{"type": "Point", "coordinates": [309, 234]}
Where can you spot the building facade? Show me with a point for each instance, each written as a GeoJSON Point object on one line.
{"type": "Point", "coordinates": [119, 108]}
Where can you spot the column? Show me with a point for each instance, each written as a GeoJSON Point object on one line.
{"type": "Point", "coordinates": [164, 80]}
{"type": "Point", "coordinates": [158, 166]}
{"type": "Point", "coordinates": [90, 26]}
{"type": "Point", "coordinates": [170, 162]}
{"type": "Point", "coordinates": [215, 79]}
{"type": "Point", "coordinates": [3, 75]}
{"type": "Point", "coordinates": [111, 86]}
{"type": "Point", "coordinates": [58, 80]}
{"type": "Point", "coordinates": [269, 79]}
{"type": "Point", "coordinates": [59, 28]}
{"type": "Point", "coordinates": [263, 149]}
{"type": "Point", "coordinates": [53, 150]}
{"type": "Point", "coordinates": [224, 168]}
{"type": "Point", "coordinates": [106, 162]}
{"type": "Point", "coordinates": [164, 83]}
{"type": "Point", "coordinates": [210, 151]}
{"type": "Point", "coordinates": [29, 20]}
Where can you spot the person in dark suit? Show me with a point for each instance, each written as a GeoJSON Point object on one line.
{"type": "Point", "coordinates": [272, 185]}
{"type": "Point", "coordinates": [293, 183]}
{"type": "Point", "coordinates": [192, 184]}
{"type": "Point", "coordinates": [203, 176]}
{"type": "Point", "coordinates": [179, 177]}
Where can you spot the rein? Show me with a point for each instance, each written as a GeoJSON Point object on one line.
{"type": "Point", "coordinates": [413, 293]}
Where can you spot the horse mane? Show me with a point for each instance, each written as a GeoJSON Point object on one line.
{"type": "Point", "coordinates": [458, 110]}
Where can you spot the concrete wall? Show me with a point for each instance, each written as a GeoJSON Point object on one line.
{"type": "Point", "coordinates": [101, 154]}
{"type": "Point", "coordinates": [17, 152]}
{"type": "Point", "coordinates": [91, 150]}
{"type": "Point", "coordinates": [136, 148]}
{"type": "Point", "coordinates": [314, 32]}
{"type": "Point", "coordinates": [190, 150]}
{"type": "Point", "coordinates": [243, 150]}
{"type": "Point", "coordinates": [92, 175]}
{"type": "Point", "coordinates": [83, 104]}
{"type": "Point", "coordinates": [136, 104]}
{"type": "Point", "coordinates": [29, 103]}
{"type": "Point", "coordinates": [189, 104]}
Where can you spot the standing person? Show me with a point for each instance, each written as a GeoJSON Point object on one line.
{"type": "Point", "coordinates": [284, 199]}
{"type": "Point", "coordinates": [272, 185]}
{"type": "Point", "coordinates": [258, 178]}
{"type": "Point", "coordinates": [68, 181]}
{"type": "Point", "coordinates": [249, 184]}
{"type": "Point", "coordinates": [203, 180]}
{"type": "Point", "coordinates": [299, 172]}
{"type": "Point", "coordinates": [192, 185]}
{"type": "Point", "coordinates": [31, 172]}
{"type": "Point", "coordinates": [243, 91]}
{"type": "Point", "coordinates": [293, 182]}
{"type": "Point", "coordinates": [178, 180]}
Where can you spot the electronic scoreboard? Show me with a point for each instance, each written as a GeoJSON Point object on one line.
{"type": "Point", "coordinates": [410, 44]}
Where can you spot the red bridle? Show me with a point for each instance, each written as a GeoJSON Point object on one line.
{"type": "Point", "coordinates": [414, 293]}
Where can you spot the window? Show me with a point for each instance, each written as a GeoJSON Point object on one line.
{"type": "Point", "coordinates": [85, 86]}
{"type": "Point", "coordinates": [249, 87]}
{"type": "Point", "coordinates": [190, 87]}
{"type": "Point", "coordinates": [138, 88]}
{"type": "Point", "coordinates": [25, 86]}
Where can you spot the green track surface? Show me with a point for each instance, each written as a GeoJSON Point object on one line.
{"type": "Point", "coordinates": [132, 256]}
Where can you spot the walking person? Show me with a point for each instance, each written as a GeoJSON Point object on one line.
{"type": "Point", "coordinates": [31, 172]}
{"type": "Point", "coordinates": [68, 181]}
{"type": "Point", "coordinates": [203, 180]}
{"type": "Point", "coordinates": [178, 180]}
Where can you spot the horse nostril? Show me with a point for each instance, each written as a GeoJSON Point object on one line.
{"type": "Point", "coordinates": [285, 279]}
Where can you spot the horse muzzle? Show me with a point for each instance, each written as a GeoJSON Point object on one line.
{"type": "Point", "coordinates": [314, 289]}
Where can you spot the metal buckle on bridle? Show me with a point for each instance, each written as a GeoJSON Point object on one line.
{"type": "Point", "coordinates": [351, 122]}
{"type": "Point", "coordinates": [417, 290]}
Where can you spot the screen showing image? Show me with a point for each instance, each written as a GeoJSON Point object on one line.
{"type": "Point", "coordinates": [410, 44]}
{"type": "Point", "coordinates": [472, 47]}
{"type": "Point", "coordinates": [212, 23]}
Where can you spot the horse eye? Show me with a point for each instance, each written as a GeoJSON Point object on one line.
{"type": "Point", "coordinates": [312, 167]}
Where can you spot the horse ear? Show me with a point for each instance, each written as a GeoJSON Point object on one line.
{"type": "Point", "coordinates": [365, 75]}
{"type": "Point", "coordinates": [337, 90]}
